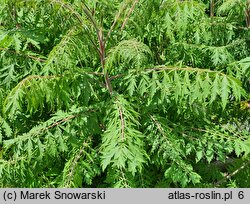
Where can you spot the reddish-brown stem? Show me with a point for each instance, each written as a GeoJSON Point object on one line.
{"type": "Point", "coordinates": [80, 19]}
{"type": "Point", "coordinates": [101, 50]}
{"type": "Point", "coordinates": [101, 47]}
{"type": "Point", "coordinates": [61, 121]}
{"type": "Point", "coordinates": [114, 23]}
{"type": "Point", "coordinates": [129, 13]}
{"type": "Point", "coordinates": [102, 58]}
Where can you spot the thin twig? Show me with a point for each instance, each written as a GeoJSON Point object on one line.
{"type": "Point", "coordinates": [232, 174]}
{"type": "Point", "coordinates": [114, 23]}
{"type": "Point", "coordinates": [158, 125]}
{"type": "Point", "coordinates": [116, 76]}
{"type": "Point", "coordinates": [129, 13]}
{"type": "Point", "coordinates": [101, 49]}
{"type": "Point", "coordinates": [95, 73]}
{"type": "Point", "coordinates": [36, 58]}
{"type": "Point", "coordinates": [80, 19]}
{"type": "Point", "coordinates": [211, 8]}
{"type": "Point", "coordinates": [31, 77]}
{"type": "Point", "coordinates": [101, 46]}
{"type": "Point", "coordinates": [23, 54]}
{"type": "Point", "coordinates": [74, 163]}
{"type": "Point", "coordinates": [122, 123]}
{"type": "Point", "coordinates": [61, 121]}
{"type": "Point", "coordinates": [247, 13]}
{"type": "Point", "coordinates": [183, 69]}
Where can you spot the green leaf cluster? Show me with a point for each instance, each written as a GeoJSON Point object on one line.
{"type": "Point", "coordinates": [124, 93]}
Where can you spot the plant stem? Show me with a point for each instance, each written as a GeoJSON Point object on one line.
{"type": "Point", "coordinates": [101, 47]}
{"type": "Point", "coordinates": [211, 8]}
{"type": "Point", "coordinates": [247, 13]}
{"type": "Point", "coordinates": [114, 23]}
{"type": "Point", "coordinates": [102, 58]}
{"type": "Point", "coordinates": [229, 176]}
{"type": "Point", "coordinates": [129, 13]}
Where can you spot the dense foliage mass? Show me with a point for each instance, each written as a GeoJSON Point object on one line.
{"type": "Point", "coordinates": [132, 93]}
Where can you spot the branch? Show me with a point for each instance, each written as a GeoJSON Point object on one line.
{"type": "Point", "coordinates": [74, 163]}
{"type": "Point", "coordinates": [23, 54]}
{"type": "Point", "coordinates": [36, 58]}
{"type": "Point", "coordinates": [40, 131]}
{"type": "Point", "coordinates": [247, 13]}
{"type": "Point", "coordinates": [229, 176]}
{"type": "Point", "coordinates": [211, 8]}
{"type": "Point", "coordinates": [60, 122]}
{"type": "Point", "coordinates": [114, 23]}
{"type": "Point", "coordinates": [116, 76]}
{"type": "Point", "coordinates": [95, 73]}
{"type": "Point", "coordinates": [101, 47]}
{"type": "Point", "coordinates": [158, 125]}
{"type": "Point", "coordinates": [171, 69]}
{"type": "Point", "coordinates": [129, 13]}
{"type": "Point", "coordinates": [122, 123]}
{"type": "Point", "coordinates": [183, 69]}
{"type": "Point", "coordinates": [79, 18]}
{"type": "Point", "coordinates": [31, 77]}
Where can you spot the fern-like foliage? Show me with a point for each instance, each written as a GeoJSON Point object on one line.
{"type": "Point", "coordinates": [124, 93]}
{"type": "Point", "coordinates": [189, 84]}
{"type": "Point", "coordinates": [122, 146]}
{"type": "Point", "coordinates": [128, 53]}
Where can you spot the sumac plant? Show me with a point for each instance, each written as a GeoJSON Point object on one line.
{"type": "Point", "coordinates": [124, 93]}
